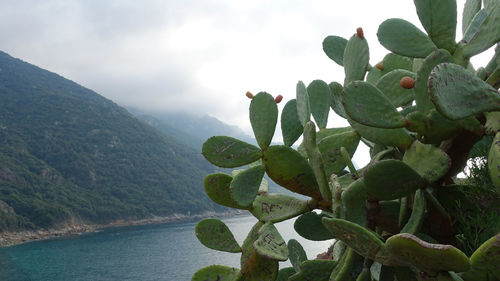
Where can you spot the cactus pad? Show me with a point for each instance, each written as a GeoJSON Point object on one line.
{"type": "Point", "coordinates": [214, 234]}
{"type": "Point", "coordinates": [425, 256]}
{"type": "Point", "coordinates": [390, 86]}
{"type": "Point", "coordinates": [314, 270]}
{"type": "Point", "coordinates": [488, 33]}
{"type": "Point", "coordinates": [439, 19]}
{"type": "Point", "coordinates": [392, 179]}
{"type": "Point", "coordinates": [263, 117]}
{"type": "Point", "coordinates": [492, 124]}
{"type": "Point", "coordinates": [334, 47]}
{"type": "Point", "coordinates": [270, 244]}
{"type": "Point", "coordinates": [288, 168]}
{"type": "Point", "coordinates": [285, 273]}
{"type": "Point", "coordinates": [485, 261]}
{"type": "Point", "coordinates": [296, 255]}
{"type": "Point", "coordinates": [277, 207]}
{"type": "Point", "coordinates": [427, 160]}
{"type": "Point", "coordinates": [319, 101]}
{"type": "Point", "coordinates": [366, 104]}
{"type": "Point", "coordinates": [494, 161]}
{"type": "Point", "coordinates": [330, 150]}
{"type": "Point", "coordinates": [403, 38]}
{"type": "Point", "coordinates": [227, 152]}
{"type": "Point", "coordinates": [291, 128]}
{"type": "Point", "coordinates": [471, 8]}
{"type": "Point", "coordinates": [309, 226]}
{"type": "Point", "coordinates": [388, 137]}
{"type": "Point", "coordinates": [474, 26]}
{"type": "Point", "coordinates": [457, 93]}
{"type": "Point", "coordinates": [216, 272]}
{"type": "Point", "coordinates": [356, 59]}
{"type": "Point", "coordinates": [246, 184]}
{"type": "Point", "coordinates": [417, 214]}
{"type": "Point", "coordinates": [303, 107]}
{"type": "Point", "coordinates": [354, 201]}
{"type": "Point", "coordinates": [217, 188]}
{"type": "Point", "coordinates": [336, 102]}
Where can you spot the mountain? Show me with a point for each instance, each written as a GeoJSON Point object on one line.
{"type": "Point", "coordinates": [68, 154]}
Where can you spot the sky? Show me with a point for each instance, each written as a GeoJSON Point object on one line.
{"type": "Point", "coordinates": [192, 56]}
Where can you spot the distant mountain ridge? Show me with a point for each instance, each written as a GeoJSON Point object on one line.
{"type": "Point", "coordinates": [69, 154]}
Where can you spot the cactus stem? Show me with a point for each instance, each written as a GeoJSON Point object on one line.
{"type": "Point", "coordinates": [337, 196]}
{"type": "Point", "coordinates": [348, 161]}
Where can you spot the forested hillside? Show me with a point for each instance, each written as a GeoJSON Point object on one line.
{"type": "Point", "coordinates": [67, 153]}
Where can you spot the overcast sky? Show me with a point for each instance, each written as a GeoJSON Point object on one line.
{"type": "Point", "coordinates": [195, 56]}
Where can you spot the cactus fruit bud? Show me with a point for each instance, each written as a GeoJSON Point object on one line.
{"type": "Point", "coordinates": [278, 98]}
{"type": "Point", "coordinates": [359, 31]}
{"type": "Point", "coordinates": [249, 95]}
{"type": "Point", "coordinates": [379, 66]}
{"type": "Point", "coordinates": [407, 82]}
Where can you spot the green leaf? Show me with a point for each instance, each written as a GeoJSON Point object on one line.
{"type": "Point", "coordinates": [365, 104]}
{"type": "Point", "coordinates": [471, 8]}
{"type": "Point", "coordinates": [227, 152]}
{"type": "Point", "coordinates": [390, 86]}
{"type": "Point", "coordinates": [425, 256]}
{"type": "Point", "coordinates": [330, 150]}
{"type": "Point", "coordinates": [310, 227]}
{"type": "Point", "coordinates": [428, 161]}
{"type": "Point", "coordinates": [494, 161]}
{"type": "Point", "coordinates": [403, 38]}
{"type": "Point", "coordinates": [439, 19]}
{"type": "Point", "coordinates": [291, 128]}
{"type": "Point", "coordinates": [288, 168]}
{"type": "Point", "coordinates": [216, 272]}
{"type": "Point", "coordinates": [319, 101]}
{"type": "Point", "coordinates": [270, 244]}
{"type": "Point", "coordinates": [485, 261]}
{"type": "Point", "coordinates": [296, 255]}
{"type": "Point", "coordinates": [217, 188]}
{"type": "Point", "coordinates": [336, 103]}
{"type": "Point", "coordinates": [356, 59]}
{"type": "Point", "coordinates": [334, 47]}
{"type": "Point", "coordinates": [314, 270]}
{"type": "Point", "coordinates": [388, 137]}
{"type": "Point", "coordinates": [303, 108]}
{"type": "Point", "coordinates": [457, 93]}
{"type": "Point", "coordinates": [361, 240]}
{"type": "Point", "coordinates": [488, 33]}
{"type": "Point", "coordinates": [277, 207]}
{"type": "Point", "coordinates": [392, 179]}
{"type": "Point", "coordinates": [263, 117]}
{"type": "Point", "coordinates": [245, 185]}
{"type": "Point", "coordinates": [214, 234]}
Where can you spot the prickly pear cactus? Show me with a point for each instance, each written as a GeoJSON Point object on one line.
{"type": "Point", "coordinates": [421, 110]}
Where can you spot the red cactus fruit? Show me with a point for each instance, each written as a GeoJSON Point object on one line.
{"type": "Point", "coordinates": [359, 31]}
{"type": "Point", "coordinates": [278, 98]}
{"type": "Point", "coordinates": [379, 66]}
{"type": "Point", "coordinates": [249, 95]}
{"type": "Point", "coordinates": [407, 82]}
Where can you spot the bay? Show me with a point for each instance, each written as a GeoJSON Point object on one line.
{"type": "Point", "coordinates": [167, 251]}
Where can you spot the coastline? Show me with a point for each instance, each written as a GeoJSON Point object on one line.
{"type": "Point", "coordinates": [8, 239]}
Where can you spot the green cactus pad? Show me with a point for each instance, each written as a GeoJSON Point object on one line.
{"type": "Point", "coordinates": [428, 161]}
{"type": "Point", "coordinates": [365, 275]}
{"type": "Point", "coordinates": [361, 240]}
{"type": "Point", "coordinates": [349, 266]}
{"type": "Point", "coordinates": [227, 152]}
{"type": "Point", "coordinates": [457, 93]}
{"type": "Point", "coordinates": [310, 227]}
{"type": "Point", "coordinates": [366, 104]}
{"type": "Point", "coordinates": [389, 63]}
{"type": "Point", "coordinates": [214, 234]}
{"type": "Point", "coordinates": [422, 98]}
{"type": "Point", "coordinates": [330, 150]}
{"type": "Point", "coordinates": [356, 59]}
{"type": "Point", "coordinates": [285, 273]}
{"type": "Point", "coordinates": [388, 137]}
{"type": "Point", "coordinates": [492, 124]}
{"type": "Point", "coordinates": [314, 270]}
{"type": "Point", "coordinates": [291, 128]}
{"type": "Point", "coordinates": [494, 161]}
{"type": "Point", "coordinates": [216, 272]}
{"type": "Point", "coordinates": [334, 47]}
{"type": "Point", "coordinates": [403, 38]}
{"type": "Point", "coordinates": [319, 101]}
{"type": "Point", "coordinates": [425, 256]}
{"type": "Point", "coordinates": [373, 75]}
{"type": "Point", "coordinates": [217, 188]}
{"type": "Point", "coordinates": [485, 261]}
{"type": "Point", "coordinates": [439, 19]}
{"type": "Point", "coordinates": [288, 168]}
{"type": "Point", "coordinates": [474, 26]}
{"type": "Point", "coordinates": [246, 184]}
{"type": "Point", "coordinates": [270, 244]}
{"type": "Point", "coordinates": [303, 108]}
{"type": "Point", "coordinates": [488, 33]}
{"type": "Point", "coordinates": [263, 117]}
{"type": "Point", "coordinates": [354, 200]}
{"type": "Point", "coordinates": [417, 214]}
{"type": "Point", "coordinates": [277, 207]}
{"type": "Point", "coordinates": [471, 8]}
{"type": "Point", "coordinates": [336, 102]}
{"type": "Point", "coordinates": [392, 179]}
{"type": "Point", "coordinates": [390, 86]}
{"type": "Point", "coordinates": [255, 267]}
{"type": "Point", "coordinates": [296, 255]}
